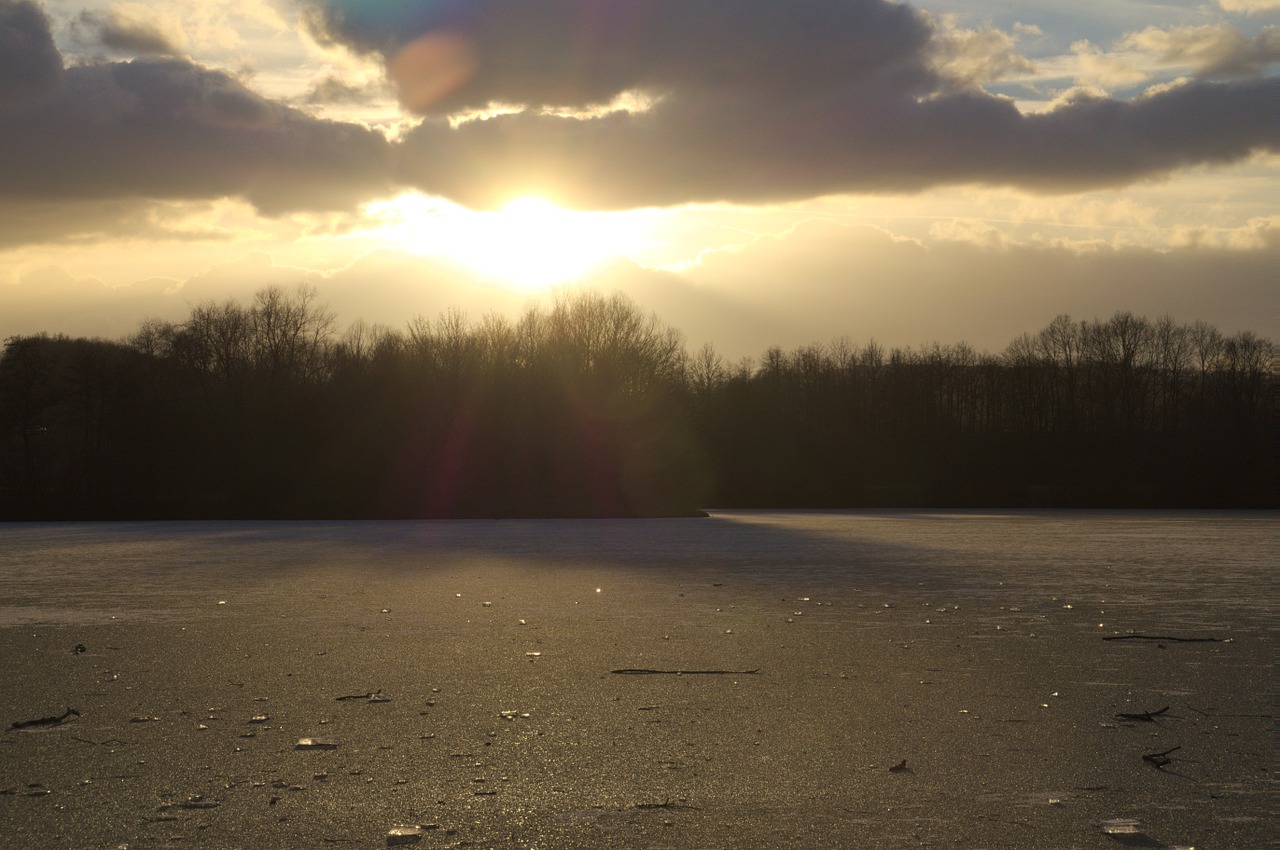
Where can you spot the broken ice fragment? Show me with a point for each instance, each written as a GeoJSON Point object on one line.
{"type": "Point", "coordinates": [315, 744]}
{"type": "Point", "coordinates": [1120, 826]}
{"type": "Point", "coordinates": [408, 834]}
{"type": "Point", "coordinates": [400, 836]}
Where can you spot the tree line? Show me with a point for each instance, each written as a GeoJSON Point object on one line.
{"type": "Point", "coordinates": [589, 407]}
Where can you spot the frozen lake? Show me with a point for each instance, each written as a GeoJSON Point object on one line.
{"type": "Point", "coordinates": [995, 655]}
{"type": "Point", "coordinates": [1194, 568]}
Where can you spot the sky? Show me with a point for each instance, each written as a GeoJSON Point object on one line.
{"type": "Point", "coordinates": [757, 173]}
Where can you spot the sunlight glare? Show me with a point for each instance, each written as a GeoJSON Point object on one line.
{"type": "Point", "coordinates": [529, 243]}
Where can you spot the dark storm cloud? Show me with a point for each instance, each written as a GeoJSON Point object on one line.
{"type": "Point", "coordinates": [125, 35]}
{"type": "Point", "coordinates": [172, 129]}
{"type": "Point", "coordinates": [1097, 141]}
{"type": "Point", "coordinates": [29, 63]}
{"type": "Point", "coordinates": [706, 149]}
{"type": "Point", "coordinates": [754, 100]}
{"type": "Point", "coordinates": [578, 52]}
{"type": "Point", "coordinates": [86, 222]}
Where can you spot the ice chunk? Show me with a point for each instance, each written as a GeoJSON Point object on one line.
{"type": "Point", "coordinates": [399, 836]}
{"type": "Point", "coordinates": [315, 744]}
{"type": "Point", "coordinates": [1120, 826]}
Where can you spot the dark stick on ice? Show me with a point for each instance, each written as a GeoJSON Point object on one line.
{"type": "Point", "coordinates": [1145, 716]}
{"type": "Point", "coordinates": [46, 721]}
{"type": "Point", "coordinates": [1165, 637]}
{"type": "Point", "coordinates": [1160, 759]}
{"type": "Point", "coordinates": [369, 696]}
{"type": "Point", "coordinates": [643, 671]}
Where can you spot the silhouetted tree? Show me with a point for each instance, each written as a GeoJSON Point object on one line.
{"type": "Point", "coordinates": [590, 407]}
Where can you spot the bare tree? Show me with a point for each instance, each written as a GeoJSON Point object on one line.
{"type": "Point", "coordinates": [289, 334]}
{"type": "Point", "coordinates": [706, 370]}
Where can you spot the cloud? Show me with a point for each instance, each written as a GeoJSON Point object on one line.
{"type": "Point", "coordinates": [131, 30]}
{"type": "Point", "coordinates": [708, 148]}
{"type": "Point", "coordinates": [580, 52]}
{"type": "Point", "coordinates": [823, 279]}
{"type": "Point", "coordinates": [168, 128]}
{"type": "Point", "coordinates": [1250, 7]}
{"type": "Point", "coordinates": [609, 105]}
{"type": "Point", "coordinates": [973, 57]}
{"type": "Point", "coordinates": [1095, 141]}
{"type": "Point", "coordinates": [1261, 233]}
{"type": "Point", "coordinates": [27, 222]}
{"type": "Point", "coordinates": [50, 299]}
{"type": "Point", "coordinates": [1097, 68]}
{"type": "Point", "coordinates": [30, 64]}
{"type": "Point", "coordinates": [332, 89]}
{"type": "Point", "coordinates": [1211, 50]}
{"type": "Point", "coordinates": [807, 284]}
{"type": "Point", "coordinates": [754, 100]}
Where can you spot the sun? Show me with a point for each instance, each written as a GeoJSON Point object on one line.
{"type": "Point", "coordinates": [532, 243]}
{"type": "Point", "coordinates": [528, 244]}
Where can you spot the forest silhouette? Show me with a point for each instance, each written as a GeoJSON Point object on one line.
{"type": "Point", "coordinates": [589, 407]}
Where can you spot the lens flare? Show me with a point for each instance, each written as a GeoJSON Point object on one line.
{"type": "Point", "coordinates": [430, 68]}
